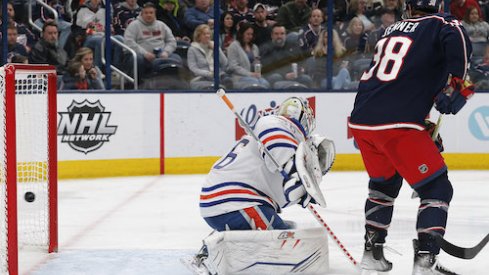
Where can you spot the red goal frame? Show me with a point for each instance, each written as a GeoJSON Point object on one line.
{"type": "Point", "coordinates": [11, 159]}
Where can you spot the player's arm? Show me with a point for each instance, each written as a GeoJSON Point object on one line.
{"type": "Point", "coordinates": [282, 144]}
{"type": "Point", "coordinates": [458, 49]}
{"type": "Point", "coordinates": [278, 139]}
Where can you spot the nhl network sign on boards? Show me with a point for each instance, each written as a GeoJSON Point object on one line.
{"type": "Point", "coordinates": [85, 126]}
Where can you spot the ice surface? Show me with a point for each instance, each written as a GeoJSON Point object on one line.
{"type": "Point", "coordinates": [143, 225]}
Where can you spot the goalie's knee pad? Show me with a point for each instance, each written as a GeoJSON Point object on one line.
{"type": "Point", "coordinates": [435, 198]}
{"type": "Point", "coordinates": [278, 252]}
{"type": "Point", "coordinates": [380, 204]}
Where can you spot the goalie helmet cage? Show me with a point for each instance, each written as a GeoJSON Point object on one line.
{"type": "Point", "coordinates": [28, 162]}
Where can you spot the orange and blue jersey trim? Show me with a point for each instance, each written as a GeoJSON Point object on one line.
{"type": "Point", "coordinates": [233, 192]}
{"type": "Point", "coordinates": [278, 137]}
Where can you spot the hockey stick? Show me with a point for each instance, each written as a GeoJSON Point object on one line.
{"type": "Point", "coordinates": [222, 94]}
{"type": "Point", "coordinates": [460, 252]}
{"type": "Point", "coordinates": [437, 128]}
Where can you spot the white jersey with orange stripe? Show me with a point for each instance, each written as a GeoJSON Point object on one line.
{"type": "Point", "coordinates": [246, 177]}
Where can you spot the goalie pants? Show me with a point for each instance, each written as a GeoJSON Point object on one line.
{"type": "Point", "coordinates": [391, 155]}
{"type": "Point", "coordinates": [252, 218]}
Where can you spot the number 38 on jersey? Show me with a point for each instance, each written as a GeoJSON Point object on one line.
{"type": "Point", "coordinates": [388, 58]}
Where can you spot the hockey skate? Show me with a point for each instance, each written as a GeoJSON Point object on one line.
{"type": "Point", "coordinates": [373, 255]}
{"type": "Point", "coordinates": [196, 263]}
{"type": "Point", "coordinates": [426, 263]}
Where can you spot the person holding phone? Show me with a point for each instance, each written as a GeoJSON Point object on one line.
{"type": "Point", "coordinates": [82, 74]}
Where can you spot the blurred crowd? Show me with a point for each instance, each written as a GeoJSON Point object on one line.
{"type": "Point", "coordinates": [268, 44]}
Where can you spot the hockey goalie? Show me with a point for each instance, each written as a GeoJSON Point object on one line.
{"type": "Point", "coordinates": [278, 165]}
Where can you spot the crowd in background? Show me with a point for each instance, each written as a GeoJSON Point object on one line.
{"type": "Point", "coordinates": [266, 44]}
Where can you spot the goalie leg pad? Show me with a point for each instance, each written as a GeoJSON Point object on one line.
{"type": "Point", "coordinates": [380, 205]}
{"type": "Point", "coordinates": [435, 198]}
{"type": "Point", "coordinates": [269, 252]}
{"type": "Point", "coordinates": [253, 218]}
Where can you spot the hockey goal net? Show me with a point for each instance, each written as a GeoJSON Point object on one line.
{"type": "Point", "coordinates": [28, 162]}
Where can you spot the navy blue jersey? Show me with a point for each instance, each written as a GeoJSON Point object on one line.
{"type": "Point", "coordinates": [411, 65]}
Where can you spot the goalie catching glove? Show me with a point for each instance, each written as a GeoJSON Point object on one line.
{"type": "Point", "coordinates": [325, 150]}
{"type": "Point", "coordinates": [453, 98]}
{"type": "Point", "coordinates": [294, 190]}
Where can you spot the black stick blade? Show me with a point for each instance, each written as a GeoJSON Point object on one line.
{"type": "Point", "coordinates": [460, 252]}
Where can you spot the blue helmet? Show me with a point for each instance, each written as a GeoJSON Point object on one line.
{"type": "Point", "coordinates": [429, 6]}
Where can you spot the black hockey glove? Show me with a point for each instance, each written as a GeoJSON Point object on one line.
{"type": "Point", "coordinates": [453, 98]}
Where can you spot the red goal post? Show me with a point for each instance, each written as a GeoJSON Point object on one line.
{"type": "Point", "coordinates": [28, 162]}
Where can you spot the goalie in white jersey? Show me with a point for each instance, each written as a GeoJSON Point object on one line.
{"type": "Point", "coordinates": [244, 190]}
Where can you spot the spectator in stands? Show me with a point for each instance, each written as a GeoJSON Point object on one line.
{"type": "Point", "coordinates": [227, 30]}
{"type": "Point", "coordinates": [277, 58]}
{"type": "Point", "coordinates": [47, 50]}
{"type": "Point", "coordinates": [355, 40]}
{"type": "Point", "coordinates": [242, 55]}
{"type": "Point", "coordinates": [82, 74]}
{"type": "Point", "coordinates": [19, 59]}
{"type": "Point", "coordinates": [458, 8]}
{"type": "Point", "coordinates": [200, 58]}
{"type": "Point", "coordinates": [387, 18]}
{"type": "Point", "coordinates": [340, 10]}
{"type": "Point", "coordinates": [64, 26]}
{"type": "Point", "coordinates": [90, 19]}
{"type": "Point", "coordinates": [14, 48]}
{"type": "Point", "coordinates": [241, 12]}
{"type": "Point", "coordinates": [262, 27]}
{"type": "Point", "coordinates": [153, 42]}
{"type": "Point", "coordinates": [477, 29]}
{"type": "Point", "coordinates": [358, 10]}
{"type": "Point", "coordinates": [124, 14]}
{"type": "Point", "coordinates": [317, 67]}
{"type": "Point", "coordinates": [172, 13]}
{"type": "Point", "coordinates": [201, 13]}
{"type": "Point", "coordinates": [395, 6]}
{"type": "Point", "coordinates": [25, 36]}
{"type": "Point", "coordinates": [293, 15]}
{"type": "Point", "coordinates": [480, 72]}
{"type": "Point", "coordinates": [310, 33]}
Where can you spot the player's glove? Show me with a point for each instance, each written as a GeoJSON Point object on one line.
{"type": "Point", "coordinates": [295, 192]}
{"type": "Point", "coordinates": [325, 150]}
{"type": "Point", "coordinates": [430, 128]}
{"type": "Point", "coordinates": [453, 98]}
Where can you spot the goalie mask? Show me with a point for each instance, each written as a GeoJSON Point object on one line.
{"type": "Point", "coordinates": [298, 110]}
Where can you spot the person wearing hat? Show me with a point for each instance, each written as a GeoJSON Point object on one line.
{"type": "Point", "coordinates": [261, 26]}
{"type": "Point", "coordinates": [171, 12]}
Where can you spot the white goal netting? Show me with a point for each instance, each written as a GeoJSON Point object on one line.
{"type": "Point", "coordinates": [32, 162]}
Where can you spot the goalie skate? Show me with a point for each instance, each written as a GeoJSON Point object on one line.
{"type": "Point", "coordinates": [194, 264]}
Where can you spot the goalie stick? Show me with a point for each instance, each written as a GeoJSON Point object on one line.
{"type": "Point", "coordinates": [222, 94]}
{"type": "Point", "coordinates": [460, 252]}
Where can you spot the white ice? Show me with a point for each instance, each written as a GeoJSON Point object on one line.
{"type": "Point", "coordinates": [143, 225]}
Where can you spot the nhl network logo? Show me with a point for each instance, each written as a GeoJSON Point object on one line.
{"type": "Point", "coordinates": [85, 126]}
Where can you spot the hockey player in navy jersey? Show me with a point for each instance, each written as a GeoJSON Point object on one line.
{"type": "Point", "coordinates": [244, 190]}
{"type": "Point", "coordinates": [408, 75]}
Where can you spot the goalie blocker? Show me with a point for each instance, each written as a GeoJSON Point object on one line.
{"type": "Point", "coordinates": [268, 252]}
